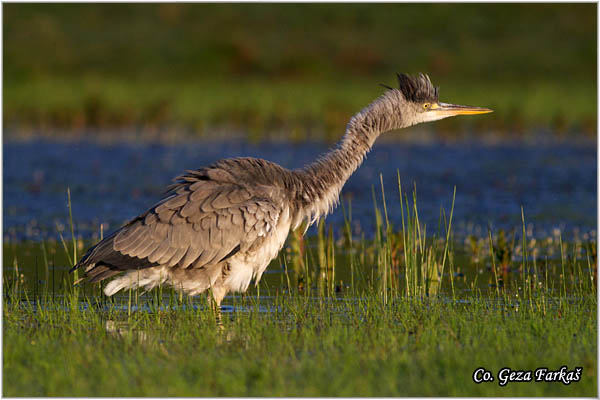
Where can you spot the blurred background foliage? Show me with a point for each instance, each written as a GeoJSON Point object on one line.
{"type": "Point", "coordinates": [298, 69]}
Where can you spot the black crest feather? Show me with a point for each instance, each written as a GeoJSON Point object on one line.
{"type": "Point", "coordinates": [417, 88]}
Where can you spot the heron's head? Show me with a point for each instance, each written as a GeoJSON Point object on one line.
{"type": "Point", "coordinates": [420, 101]}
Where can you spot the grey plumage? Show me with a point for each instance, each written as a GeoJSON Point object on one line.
{"type": "Point", "coordinates": [419, 89]}
{"type": "Point", "coordinates": [218, 227]}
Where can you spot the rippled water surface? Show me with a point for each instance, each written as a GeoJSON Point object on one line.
{"type": "Point", "coordinates": [555, 183]}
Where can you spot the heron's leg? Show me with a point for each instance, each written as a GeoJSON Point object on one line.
{"type": "Point", "coordinates": [215, 297]}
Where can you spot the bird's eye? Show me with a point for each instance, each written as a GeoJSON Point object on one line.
{"type": "Point", "coordinates": [426, 106]}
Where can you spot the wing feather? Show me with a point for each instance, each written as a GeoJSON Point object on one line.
{"type": "Point", "coordinates": [170, 252]}
{"type": "Point", "coordinates": [191, 255]}
{"type": "Point", "coordinates": [165, 215]}
{"type": "Point", "coordinates": [159, 252]}
{"type": "Point", "coordinates": [205, 218]}
{"type": "Point", "coordinates": [144, 252]}
{"type": "Point", "coordinates": [236, 218]}
{"type": "Point", "coordinates": [160, 232]}
{"type": "Point", "coordinates": [207, 206]}
{"type": "Point", "coordinates": [224, 221]}
{"type": "Point", "coordinates": [140, 245]}
{"type": "Point", "coordinates": [190, 208]}
{"type": "Point", "coordinates": [176, 257]}
{"type": "Point", "coordinates": [205, 259]}
{"type": "Point", "coordinates": [126, 237]}
{"type": "Point", "coordinates": [174, 203]}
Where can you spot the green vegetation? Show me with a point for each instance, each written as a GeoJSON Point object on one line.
{"type": "Point", "coordinates": [359, 348]}
{"type": "Point", "coordinates": [298, 69]}
{"type": "Point", "coordinates": [407, 313]}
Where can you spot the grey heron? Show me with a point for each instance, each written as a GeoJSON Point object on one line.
{"type": "Point", "coordinates": [218, 227]}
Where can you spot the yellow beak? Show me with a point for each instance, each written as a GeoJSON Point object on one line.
{"type": "Point", "coordinates": [450, 110]}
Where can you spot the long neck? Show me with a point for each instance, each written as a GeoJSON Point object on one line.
{"type": "Point", "coordinates": [323, 179]}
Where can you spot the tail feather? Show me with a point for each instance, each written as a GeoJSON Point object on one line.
{"type": "Point", "coordinates": [101, 261]}
{"type": "Point", "coordinates": [190, 281]}
{"type": "Point", "coordinates": [146, 278]}
{"type": "Point", "coordinates": [95, 252]}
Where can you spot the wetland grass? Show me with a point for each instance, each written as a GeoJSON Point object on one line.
{"type": "Point", "coordinates": [244, 79]}
{"type": "Point", "coordinates": [402, 314]}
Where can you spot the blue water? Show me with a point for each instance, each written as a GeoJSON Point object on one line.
{"type": "Point", "coordinates": [554, 183]}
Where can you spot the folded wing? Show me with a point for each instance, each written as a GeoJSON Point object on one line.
{"type": "Point", "coordinates": [200, 222]}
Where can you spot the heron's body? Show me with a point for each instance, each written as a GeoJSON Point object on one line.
{"type": "Point", "coordinates": [219, 227]}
